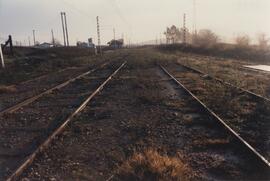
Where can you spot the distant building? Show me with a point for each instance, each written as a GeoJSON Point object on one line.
{"type": "Point", "coordinates": [44, 45]}
{"type": "Point", "coordinates": [82, 44]}
{"type": "Point", "coordinates": [90, 43]}
{"type": "Point", "coordinates": [116, 43]}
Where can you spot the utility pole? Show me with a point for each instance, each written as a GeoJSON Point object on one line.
{"type": "Point", "coordinates": [114, 41]}
{"type": "Point", "coordinates": [184, 29]}
{"type": "Point", "coordinates": [122, 37]}
{"type": "Point", "coordinates": [194, 37]}
{"type": "Point", "coordinates": [34, 37]}
{"type": "Point", "coordinates": [2, 57]}
{"type": "Point", "coordinates": [98, 34]}
{"type": "Point", "coordinates": [194, 17]}
{"type": "Point", "coordinates": [53, 40]}
{"type": "Point", "coordinates": [114, 33]}
{"type": "Point", "coordinates": [63, 27]}
{"type": "Point", "coordinates": [29, 43]}
{"type": "Point", "coordinates": [66, 28]}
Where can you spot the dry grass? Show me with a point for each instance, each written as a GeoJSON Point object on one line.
{"type": "Point", "coordinates": [151, 165]}
{"type": "Point", "coordinates": [7, 89]}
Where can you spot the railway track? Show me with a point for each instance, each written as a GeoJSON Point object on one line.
{"type": "Point", "coordinates": [27, 131]}
{"type": "Point", "coordinates": [11, 101]}
{"type": "Point", "coordinates": [244, 111]}
{"type": "Point", "coordinates": [226, 83]}
{"type": "Point", "coordinates": [256, 152]}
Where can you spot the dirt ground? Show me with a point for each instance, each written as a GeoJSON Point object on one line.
{"type": "Point", "coordinates": [143, 127]}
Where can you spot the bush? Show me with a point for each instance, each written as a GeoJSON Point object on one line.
{"type": "Point", "coordinates": [150, 165]}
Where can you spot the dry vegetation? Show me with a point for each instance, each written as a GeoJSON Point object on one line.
{"type": "Point", "coordinates": [151, 165]}
{"type": "Point", "coordinates": [251, 54]}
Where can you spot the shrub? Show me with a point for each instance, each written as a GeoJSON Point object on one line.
{"type": "Point", "coordinates": [205, 38]}
{"type": "Point", "coordinates": [150, 165]}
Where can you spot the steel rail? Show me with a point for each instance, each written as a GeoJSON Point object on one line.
{"type": "Point", "coordinates": [29, 160]}
{"type": "Point", "coordinates": [227, 127]}
{"type": "Point", "coordinates": [59, 86]}
{"type": "Point", "coordinates": [225, 82]}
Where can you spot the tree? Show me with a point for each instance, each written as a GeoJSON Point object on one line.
{"type": "Point", "coordinates": [172, 34]}
{"type": "Point", "coordinates": [263, 41]}
{"type": "Point", "coordinates": [175, 35]}
{"type": "Point", "coordinates": [206, 38]}
{"type": "Point", "coordinates": [242, 41]}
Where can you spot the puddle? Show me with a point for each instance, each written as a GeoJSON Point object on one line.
{"type": "Point", "coordinates": [259, 67]}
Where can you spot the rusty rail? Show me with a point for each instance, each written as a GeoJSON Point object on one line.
{"type": "Point", "coordinates": [59, 86]}
{"type": "Point", "coordinates": [227, 127]}
{"type": "Point", "coordinates": [29, 160]}
{"type": "Point", "coordinates": [226, 83]}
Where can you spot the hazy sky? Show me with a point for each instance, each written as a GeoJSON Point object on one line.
{"type": "Point", "coordinates": [138, 20]}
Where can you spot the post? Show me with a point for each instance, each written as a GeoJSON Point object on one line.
{"type": "Point", "coordinates": [62, 20]}
{"type": "Point", "coordinates": [2, 57]}
{"type": "Point", "coordinates": [98, 34]}
{"type": "Point", "coordinates": [10, 44]}
{"type": "Point", "coordinates": [66, 28]}
{"type": "Point", "coordinates": [34, 37]}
